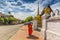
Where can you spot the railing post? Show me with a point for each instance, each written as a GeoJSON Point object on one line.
{"type": "Point", "coordinates": [45, 37]}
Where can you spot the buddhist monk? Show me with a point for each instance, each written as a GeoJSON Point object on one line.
{"type": "Point", "coordinates": [30, 29]}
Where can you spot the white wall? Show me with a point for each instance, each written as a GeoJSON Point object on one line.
{"type": "Point", "coordinates": [43, 28]}
{"type": "Point", "coordinates": [53, 31]}
{"type": "Point", "coordinates": [34, 24]}
{"type": "Point", "coordinates": [54, 26]}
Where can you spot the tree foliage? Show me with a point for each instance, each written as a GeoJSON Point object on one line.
{"type": "Point", "coordinates": [1, 20]}
{"type": "Point", "coordinates": [9, 12]}
{"type": "Point", "coordinates": [10, 19]}
{"type": "Point", "coordinates": [28, 19]}
{"type": "Point", "coordinates": [6, 20]}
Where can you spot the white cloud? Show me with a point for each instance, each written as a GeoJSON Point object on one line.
{"type": "Point", "coordinates": [56, 6]}
{"type": "Point", "coordinates": [10, 9]}
{"type": "Point", "coordinates": [1, 10]}
{"type": "Point", "coordinates": [30, 6]}
{"type": "Point", "coordinates": [22, 15]}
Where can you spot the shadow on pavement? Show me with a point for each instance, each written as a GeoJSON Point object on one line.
{"type": "Point", "coordinates": [32, 37]}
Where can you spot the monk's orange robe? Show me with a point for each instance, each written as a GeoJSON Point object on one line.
{"type": "Point", "coordinates": [30, 29]}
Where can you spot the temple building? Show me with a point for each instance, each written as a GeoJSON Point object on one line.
{"type": "Point", "coordinates": [48, 12]}
{"type": "Point", "coordinates": [37, 20]}
{"type": "Point", "coordinates": [38, 17]}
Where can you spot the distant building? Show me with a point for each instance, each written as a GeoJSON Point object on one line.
{"type": "Point", "coordinates": [3, 15]}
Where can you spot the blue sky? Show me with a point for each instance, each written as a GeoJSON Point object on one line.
{"type": "Point", "coordinates": [24, 8]}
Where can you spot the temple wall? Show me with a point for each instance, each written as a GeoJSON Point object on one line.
{"type": "Point", "coordinates": [34, 24]}
{"type": "Point", "coordinates": [52, 31]}
{"type": "Point", "coordinates": [43, 28]}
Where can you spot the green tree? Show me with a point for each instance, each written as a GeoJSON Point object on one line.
{"type": "Point", "coordinates": [10, 14]}
{"type": "Point", "coordinates": [28, 19]}
{"type": "Point", "coordinates": [6, 20]}
{"type": "Point", "coordinates": [12, 19]}
{"type": "Point", "coordinates": [1, 20]}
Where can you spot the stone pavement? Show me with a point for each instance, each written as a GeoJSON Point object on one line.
{"type": "Point", "coordinates": [22, 34]}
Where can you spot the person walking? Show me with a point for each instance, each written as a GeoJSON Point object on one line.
{"type": "Point", "coordinates": [30, 29]}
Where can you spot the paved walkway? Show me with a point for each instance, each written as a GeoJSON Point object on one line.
{"type": "Point", "coordinates": [23, 35]}
{"type": "Point", "coordinates": [6, 31]}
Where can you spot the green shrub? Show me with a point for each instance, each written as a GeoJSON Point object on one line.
{"type": "Point", "coordinates": [1, 20]}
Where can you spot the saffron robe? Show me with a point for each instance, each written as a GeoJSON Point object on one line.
{"type": "Point", "coordinates": [30, 29]}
